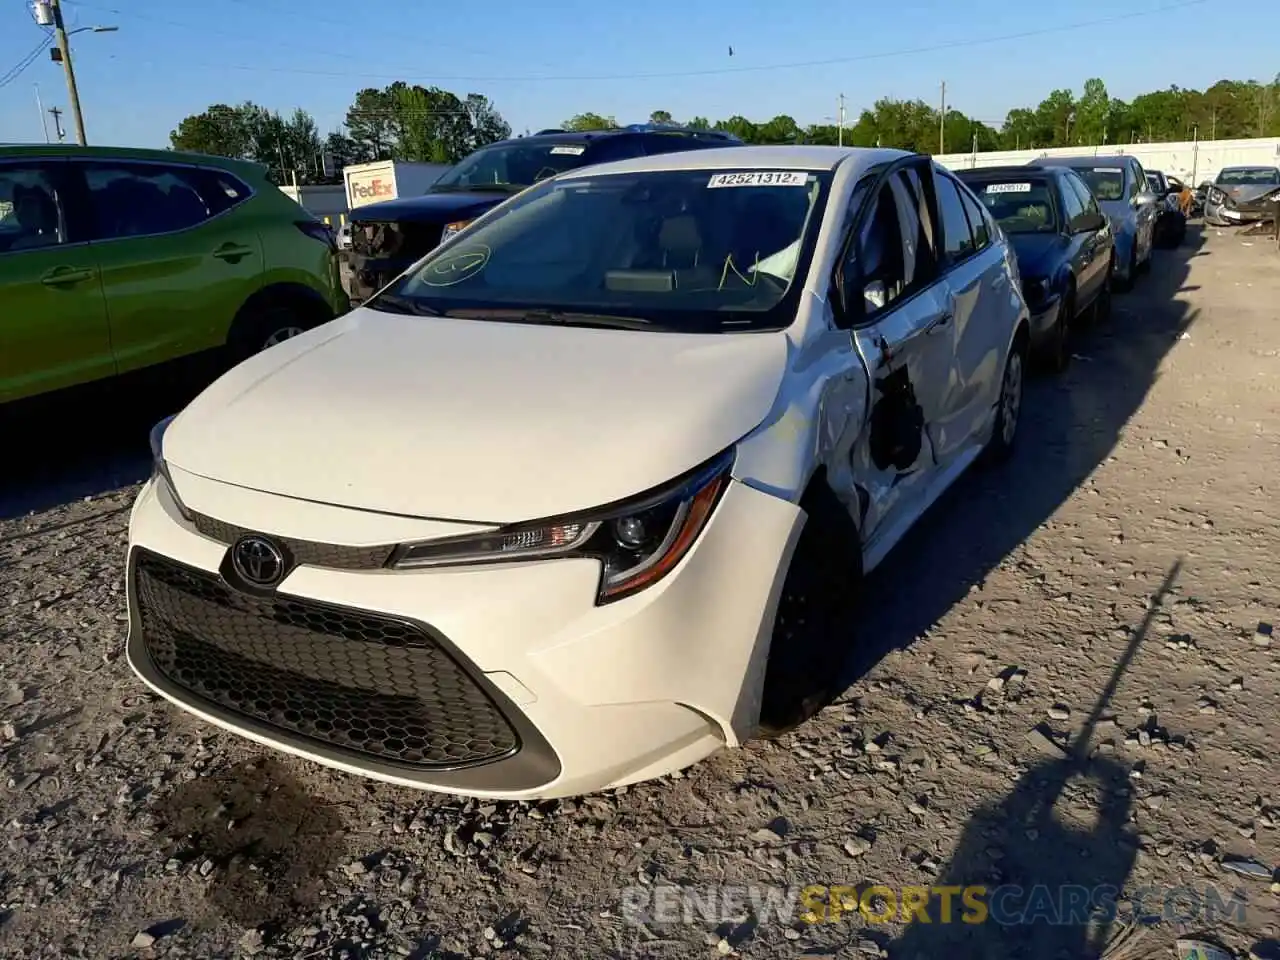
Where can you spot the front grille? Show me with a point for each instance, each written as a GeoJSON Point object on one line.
{"type": "Point", "coordinates": [333, 555]}
{"type": "Point", "coordinates": [357, 681]}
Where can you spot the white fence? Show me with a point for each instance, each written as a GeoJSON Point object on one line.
{"type": "Point", "coordinates": [1192, 162]}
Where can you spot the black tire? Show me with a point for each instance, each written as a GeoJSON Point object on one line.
{"type": "Point", "coordinates": [812, 626]}
{"type": "Point", "coordinates": [1179, 233]}
{"type": "Point", "coordinates": [264, 323]}
{"type": "Point", "coordinates": [1009, 406]}
{"type": "Point", "coordinates": [1056, 355]}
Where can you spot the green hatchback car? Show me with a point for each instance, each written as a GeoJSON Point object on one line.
{"type": "Point", "coordinates": [115, 260]}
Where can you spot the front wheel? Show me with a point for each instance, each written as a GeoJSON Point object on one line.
{"type": "Point", "coordinates": [1101, 310]}
{"type": "Point", "coordinates": [1004, 432]}
{"type": "Point", "coordinates": [812, 626]}
{"type": "Point", "coordinates": [1057, 354]}
{"type": "Point", "coordinates": [264, 325]}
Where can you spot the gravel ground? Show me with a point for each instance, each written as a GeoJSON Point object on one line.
{"type": "Point", "coordinates": [1107, 597]}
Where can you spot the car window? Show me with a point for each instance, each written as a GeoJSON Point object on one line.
{"type": "Point", "coordinates": [1250, 176]}
{"type": "Point", "coordinates": [1087, 199]}
{"type": "Point", "coordinates": [31, 209]}
{"type": "Point", "coordinates": [142, 200]}
{"type": "Point", "coordinates": [957, 241]}
{"type": "Point", "coordinates": [916, 186]}
{"type": "Point", "coordinates": [879, 259]}
{"type": "Point", "coordinates": [978, 221]}
{"type": "Point", "coordinates": [1137, 178]}
{"type": "Point", "coordinates": [1107, 183]}
{"type": "Point", "coordinates": [1020, 204]}
{"type": "Point", "coordinates": [693, 249]}
{"type": "Point", "coordinates": [1072, 203]}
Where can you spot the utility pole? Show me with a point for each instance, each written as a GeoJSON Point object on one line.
{"type": "Point", "coordinates": [840, 120]}
{"type": "Point", "coordinates": [64, 47]}
{"type": "Point", "coordinates": [1195, 152]}
{"type": "Point", "coordinates": [57, 124]}
{"type": "Point", "coordinates": [44, 121]}
{"type": "Point", "coordinates": [1213, 125]}
{"type": "Point", "coordinates": [942, 121]}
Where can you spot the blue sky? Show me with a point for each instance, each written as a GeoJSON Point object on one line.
{"type": "Point", "coordinates": [543, 62]}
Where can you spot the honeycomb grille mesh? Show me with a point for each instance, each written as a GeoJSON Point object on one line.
{"type": "Point", "coordinates": [307, 552]}
{"type": "Point", "coordinates": [353, 680]}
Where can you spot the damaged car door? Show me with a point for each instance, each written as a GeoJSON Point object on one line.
{"type": "Point", "coordinates": [899, 314]}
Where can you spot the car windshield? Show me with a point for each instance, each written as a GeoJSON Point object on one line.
{"type": "Point", "coordinates": [695, 250]}
{"type": "Point", "coordinates": [1153, 182]}
{"type": "Point", "coordinates": [1107, 183]}
{"type": "Point", "coordinates": [512, 165]}
{"type": "Point", "coordinates": [1250, 177]}
{"type": "Point", "coordinates": [1019, 205]}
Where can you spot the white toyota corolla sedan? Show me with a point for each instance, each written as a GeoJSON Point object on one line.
{"type": "Point", "coordinates": [584, 496]}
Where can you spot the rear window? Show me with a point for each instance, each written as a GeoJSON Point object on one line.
{"type": "Point", "coordinates": [1250, 177]}
{"type": "Point", "coordinates": [1018, 204]}
{"type": "Point", "coordinates": [1107, 183]}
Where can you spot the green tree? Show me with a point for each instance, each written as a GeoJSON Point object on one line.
{"type": "Point", "coordinates": [590, 121]}
{"type": "Point", "coordinates": [371, 124]}
{"type": "Point", "coordinates": [660, 116]}
{"type": "Point", "coordinates": [218, 131]}
{"type": "Point", "coordinates": [1092, 112]}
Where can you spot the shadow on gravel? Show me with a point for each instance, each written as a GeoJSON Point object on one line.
{"type": "Point", "coordinates": [83, 444]}
{"type": "Point", "coordinates": [268, 842]}
{"type": "Point", "coordinates": [1070, 425]}
{"type": "Point", "coordinates": [1052, 857]}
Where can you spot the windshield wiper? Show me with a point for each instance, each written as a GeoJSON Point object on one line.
{"type": "Point", "coordinates": [568, 318]}
{"type": "Point", "coordinates": [398, 303]}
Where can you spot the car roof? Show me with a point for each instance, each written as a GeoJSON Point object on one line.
{"type": "Point", "coordinates": [73, 150]}
{"type": "Point", "coordinates": [1248, 166]}
{"type": "Point", "coordinates": [1007, 170]}
{"type": "Point", "coordinates": [1113, 160]}
{"type": "Point", "coordinates": [634, 130]}
{"type": "Point", "coordinates": [799, 157]}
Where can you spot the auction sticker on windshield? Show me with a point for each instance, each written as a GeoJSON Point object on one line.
{"type": "Point", "coordinates": [1008, 188]}
{"type": "Point", "coordinates": [570, 151]}
{"type": "Point", "coordinates": [760, 178]}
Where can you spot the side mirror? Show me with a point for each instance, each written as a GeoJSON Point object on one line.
{"type": "Point", "coordinates": [1088, 222]}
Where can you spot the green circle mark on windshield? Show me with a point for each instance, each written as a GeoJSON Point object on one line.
{"type": "Point", "coordinates": [456, 266]}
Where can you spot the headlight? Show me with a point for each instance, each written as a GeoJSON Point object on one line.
{"type": "Point", "coordinates": [1217, 196]}
{"type": "Point", "coordinates": [456, 227]}
{"type": "Point", "coordinates": [637, 542]}
{"type": "Point", "coordinates": [159, 469]}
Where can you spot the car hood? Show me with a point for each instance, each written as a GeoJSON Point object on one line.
{"type": "Point", "coordinates": [1249, 192]}
{"type": "Point", "coordinates": [1038, 253]}
{"type": "Point", "coordinates": [443, 207]}
{"type": "Point", "coordinates": [476, 420]}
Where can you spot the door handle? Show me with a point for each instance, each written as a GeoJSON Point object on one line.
{"type": "Point", "coordinates": [939, 323]}
{"type": "Point", "coordinates": [61, 276]}
{"type": "Point", "coordinates": [232, 251]}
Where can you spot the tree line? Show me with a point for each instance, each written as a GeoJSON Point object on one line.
{"type": "Point", "coordinates": [410, 122]}
{"type": "Point", "coordinates": [398, 122]}
{"type": "Point", "coordinates": [1226, 110]}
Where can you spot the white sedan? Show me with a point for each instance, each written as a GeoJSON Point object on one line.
{"type": "Point", "coordinates": [583, 496]}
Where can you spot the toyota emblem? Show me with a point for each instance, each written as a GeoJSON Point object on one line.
{"type": "Point", "coordinates": [258, 560]}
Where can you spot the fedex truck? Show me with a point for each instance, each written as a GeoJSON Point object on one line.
{"type": "Point", "coordinates": [388, 180]}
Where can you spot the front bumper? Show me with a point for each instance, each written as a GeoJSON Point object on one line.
{"type": "Point", "coordinates": [528, 688]}
{"type": "Point", "coordinates": [1242, 214]}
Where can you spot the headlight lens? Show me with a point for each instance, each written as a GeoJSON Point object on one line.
{"type": "Point", "coordinates": [456, 227]}
{"type": "Point", "coordinates": [637, 543]}
{"type": "Point", "coordinates": [1216, 195]}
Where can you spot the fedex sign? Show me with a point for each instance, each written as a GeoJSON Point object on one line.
{"type": "Point", "coordinates": [370, 191]}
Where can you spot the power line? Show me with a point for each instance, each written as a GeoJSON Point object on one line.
{"type": "Point", "coordinates": [18, 68]}
{"type": "Point", "coordinates": [759, 68]}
